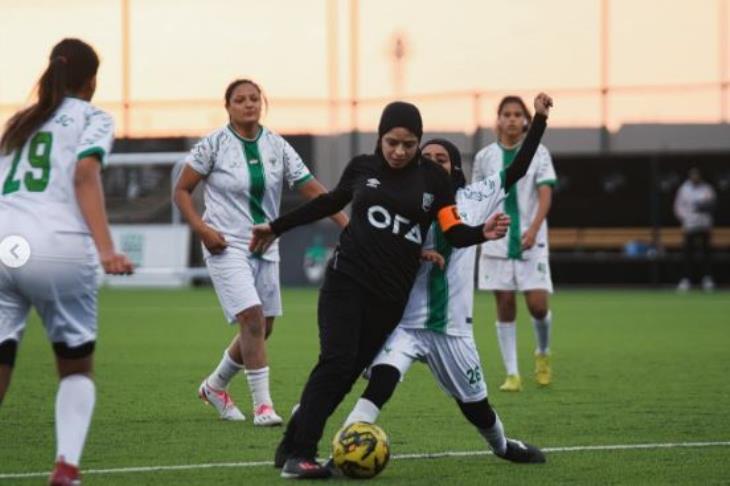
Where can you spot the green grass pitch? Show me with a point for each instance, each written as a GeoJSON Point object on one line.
{"type": "Point", "coordinates": [631, 367]}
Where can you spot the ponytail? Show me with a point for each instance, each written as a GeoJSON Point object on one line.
{"type": "Point", "coordinates": [72, 64]}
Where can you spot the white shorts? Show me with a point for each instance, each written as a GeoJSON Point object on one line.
{"type": "Point", "coordinates": [453, 360]}
{"type": "Point", "coordinates": [64, 293]}
{"type": "Point", "coordinates": [242, 281]}
{"type": "Point", "coordinates": [517, 275]}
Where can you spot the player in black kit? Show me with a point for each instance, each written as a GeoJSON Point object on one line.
{"type": "Point", "coordinates": [396, 195]}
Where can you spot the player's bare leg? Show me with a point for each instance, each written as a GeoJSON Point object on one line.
{"type": "Point", "coordinates": [507, 337]}
{"type": "Point", "coordinates": [5, 373]}
{"type": "Point", "coordinates": [537, 304]}
{"type": "Point", "coordinates": [253, 330]}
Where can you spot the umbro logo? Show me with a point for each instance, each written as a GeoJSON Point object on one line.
{"type": "Point", "coordinates": [373, 182]}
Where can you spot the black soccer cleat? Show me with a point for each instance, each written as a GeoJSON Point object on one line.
{"type": "Point", "coordinates": [301, 468]}
{"type": "Point", "coordinates": [334, 470]}
{"type": "Point", "coordinates": [522, 452]}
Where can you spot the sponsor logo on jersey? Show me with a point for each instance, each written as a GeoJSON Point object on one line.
{"type": "Point", "coordinates": [373, 182]}
{"type": "Point", "coordinates": [380, 218]}
{"type": "Point", "coordinates": [427, 201]}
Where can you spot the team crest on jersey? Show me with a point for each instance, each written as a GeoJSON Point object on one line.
{"type": "Point", "coordinates": [427, 201]}
{"type": "Point", "coordinates": [373, 182]}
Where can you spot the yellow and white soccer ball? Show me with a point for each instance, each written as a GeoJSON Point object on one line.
{"type": "Point", "coordinates": [361, 450]}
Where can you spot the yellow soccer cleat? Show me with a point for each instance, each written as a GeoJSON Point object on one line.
{"type": "Point", "coordinates": [513, 383]}
{"type": "Point", "coordinates": [543, 372]}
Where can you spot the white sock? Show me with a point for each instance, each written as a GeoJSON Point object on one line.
{"type": "Point", "coordinates": [364, 411]}
{"type": "Point", "coordinates": [74, 407]}
{"type": "Point", "coordinates": [542, 332]}
{"type": "Point", "coordinates": [507, 336]}
{"type": "Point", "coordinates": [258, 383]}
{"type": "Point", "coordinates": [224, 373]}
{"type": "Point", "coordinates": [495, 436]}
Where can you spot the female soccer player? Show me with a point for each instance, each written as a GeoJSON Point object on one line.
{"type": "Point", "coordinates": [395, 195]}
{"type": "Point", "coordinates": [519, 262]}
{"type": "Point", "coordinates": [54, 229]}
{"type": "Point", "coordinates": [437, 324]}
{"type": "Point", "coordinates": [244, 166]}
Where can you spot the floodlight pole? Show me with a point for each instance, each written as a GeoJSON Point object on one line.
{"type": "Point", "coordinates": [605, 51]}
{"type": "Point", "coordinates": [354, 61]}
{"type": "Point", "coordinates": [125, 68]}
{"type": "Point", "coordinates": [333, 65]}
{"type": "Point", "coordinates": [723, 61]}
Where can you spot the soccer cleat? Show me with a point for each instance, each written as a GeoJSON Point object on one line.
{"type": "Point", "coordinates": [265, 416]}
{"type": "Point", "coordinates": [708, 285]}
{"type": "Point", "coordinates": [221, 401]}
{"type": "Point", "coordinates": [543, 372]}
{"type": "Point", "coordinates": [334, 470]}
{"type": "Point", "coordinates": [518, 451]}
{"type": "Point", "coordinates": [684, 285]}
{"type": "Point", "coordinates": [64, 474]}
{"type": "Point", "coordinates": [300, 468]}
{"type": "Point", "coordinates": [513, 383]}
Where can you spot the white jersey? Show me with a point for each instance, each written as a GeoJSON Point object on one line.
{"type": "Point", "coordinates": [443, 300]}
{"type": "Point", "coordinates": [244, 180]}
{"type": "Point", "coordinates": [521, 203]}
{"type": "Point", "coordinates": [688, 206]}
{"type": "Point", "coordinates": [37, 195]}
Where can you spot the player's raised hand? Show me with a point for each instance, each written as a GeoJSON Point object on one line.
{"type": "Point", "coordinates": [434, 257]}
{"type": "Point", "coordinates": [115, 263]}
{"type": "Point", "coordinates": [543, 103]}
{"type": "Point", "coordinates": [496, 226]}
{"type": "Point", "coordinates": [263, 237]}
{"type": "Point", "coordinates": [213, 240]}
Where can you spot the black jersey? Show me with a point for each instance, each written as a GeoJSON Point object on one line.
{"type": "Point", "coordinates": [392, 210]}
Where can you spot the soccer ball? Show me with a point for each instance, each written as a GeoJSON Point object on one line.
{"type": "Point", "coordinates": [361, 450]}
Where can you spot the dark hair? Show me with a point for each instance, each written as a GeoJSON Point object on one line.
{"type": "Point", "coordinates": [519, 101]}
{"type": "Point", "coordinates": [238, 82]}
{"type": "Point", "coordinates": [71, 65]}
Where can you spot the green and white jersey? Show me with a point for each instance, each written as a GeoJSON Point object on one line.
{"type": "Point", "coordinates": [522, 201]}
{"type": "Point", "coordinates": [443, 300]}
{"type": "Point", "coordinates": [37, 195]}
{"type": "Point", "coordinates": [243, 181]}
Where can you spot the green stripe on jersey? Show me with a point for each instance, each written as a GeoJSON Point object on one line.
{"type": "Point", "coordinates": [514, 243]}
{"type": "Point", "coordinates": [258, 182]}
{"type": "Point", "coordinates": [438, 287]}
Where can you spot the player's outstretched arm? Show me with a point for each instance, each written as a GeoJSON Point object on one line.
{"type": "Point", "coordinates": [313, 188]}
{"type": "Point", "coordinates": [519, 167]}
{"type": "Point", "coordinates": [90, 197]}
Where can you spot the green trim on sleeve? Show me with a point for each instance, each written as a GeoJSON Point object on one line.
{"type": "Point", "coordinates": [98, 151]}
{"type": "Point", "coordinates": [547, 182]}
{"type": "Point", "coordinates": [303, 180]}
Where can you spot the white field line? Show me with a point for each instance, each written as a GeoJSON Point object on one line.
{"type": "Point", "coordinates": [424, 455]}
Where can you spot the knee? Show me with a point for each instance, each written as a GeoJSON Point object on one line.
{"type": "Point", "coordinates": [252, 323]}
{"type": "Point", "coordinates": [539, 311]}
